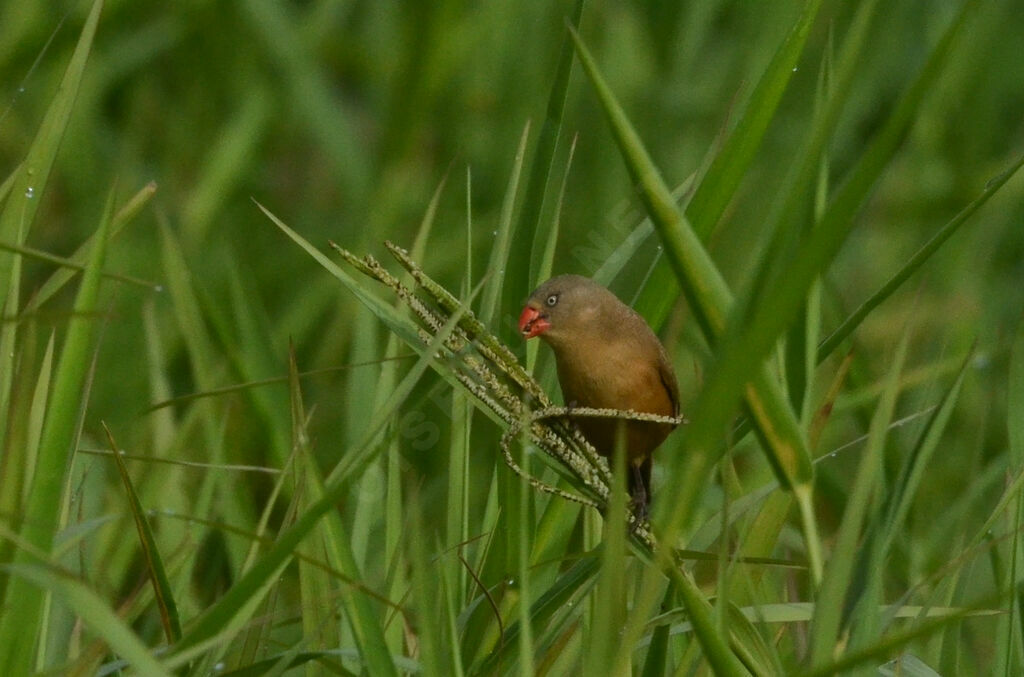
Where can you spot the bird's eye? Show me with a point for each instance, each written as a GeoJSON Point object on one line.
{"type": "Point", "coordinates": [552, 300]}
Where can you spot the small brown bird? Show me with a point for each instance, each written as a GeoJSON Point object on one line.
{"type": "Point", "coordinates": [607, 357]}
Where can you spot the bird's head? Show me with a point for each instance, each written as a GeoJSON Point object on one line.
{"type": "Point", "coordinates": [558, 308]}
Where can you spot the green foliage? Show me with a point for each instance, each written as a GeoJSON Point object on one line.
{"type": "Point", "coordinates": [217, 459]}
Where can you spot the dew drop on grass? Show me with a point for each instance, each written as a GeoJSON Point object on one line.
{"type": "Point", "coordinates": [158, 288]}
{"type": "Point", "coordinates": [30, 192]}
{"type": "Point", "coordinates": [795, 69]}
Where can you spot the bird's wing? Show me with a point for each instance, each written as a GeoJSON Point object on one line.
{"type": "Point", "coordinates": [668, 379]}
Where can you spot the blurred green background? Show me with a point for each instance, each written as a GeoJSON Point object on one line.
{"type": "Point", "coordinates": [343, 118]}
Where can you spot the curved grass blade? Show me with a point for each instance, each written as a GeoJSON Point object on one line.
{"type": "Point", "coordinates": [864, 588]}
{"type": "Point", "coordinates": [154, 562]}
{"type": "Point", "coordinates": [70, 265]}
{"type": "Point", "coordinates": [850, 324]}
{"type": "Point", "coordinates": [490, 304]}
{"type": "Point", "coordinates": [781, 297]}
{"type": "Point", "coordinates": [23, 605]}
{"type": "Point", "coordinates": [61, 277]}
{"type": "Point", "coordinates": [96, 614]}
{"type": "Point", "coordinates": [893, 641]}
{"type": "Point", "coordinates": [231, 611]}
{"type": "Point", "coordinates": [836, 582]}
{"type": "Point", "coordinates": [361, 616]}
{"type": "Point", "coordinates": [571, 585]}
{"type": "Point", "coordinates": [712, 301]}
{"type": "Point", "coordinates": [20, 210]}
{"type": "Point", "coordinates": [719, 184]}
{"type": "Point", "coordinates": [751, 339]}
{"type": "Point", "coordinates": [531, 233]}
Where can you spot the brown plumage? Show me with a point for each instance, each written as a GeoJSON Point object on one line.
{"type": "Point", "coordinates": [607, 357]}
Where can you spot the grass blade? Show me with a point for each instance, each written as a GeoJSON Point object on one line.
{"type": "Point", "coordinates": [62, 276]}
{"type": "Point", "coordinates": [154, 562]}
{"type": "Point", "coordinates": [836, 582]}
{"type": "Point", "coordinates": [490, 304]}
{"type": "Point", "coordinates": [28, 188]}
{"type": "Point", "coordinates": [24, 603]}
{"type": "Point", "coordinates": [96, 614]}
{"type": "Point", "coordinates": [1015, 400]}
{"type": "Point", "coordinates": [531, 235]}
{"type": "Point", "coordinates": [360, 614]}
{"type": "Point", "coordinates": [850, 324]}
{"type": "Point", "coordinates": [712, 300]}
{"type": "Point", "coordinates": [228, 614]}
{"type": "Point", "coordinates": [719, 184]}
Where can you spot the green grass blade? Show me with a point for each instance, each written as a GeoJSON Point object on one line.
{"type": "Point", "coordinates": [490, 304]}
{"type": "Point", "coordinates": [24, 189]}
{"type": "Point", "coordinates": [428, 629]}
{"type": "Point", "coordinates": [28, 188]}
{"type": "Point", "coordinates": [608, 608]}
{"type": "Point", "coordinates": [865, 588]}
{"type": "Point", "coordinates": [531, 235]}
{"type": "Point", "coordinates": [850, 324]}
{"type": "Point", "coordinates": [96, 613]}
{"type": "Point", "coordinates": [716, 647]}
{"type": "Point", "coordinates": [386, 312]}
{"type": "Point", "coordinates": [362, 617]}
{"type": "Point", "coordinates": [704, 286]}
{"type": "Point", "coordinates": [1015, 400]}
{"type": "Point", "coordinates": [723, 176]}
{"type": "Point", "coordinates": [719, 184]}
{"type": "Point", "coordinates": [917, 462]}
{"type": "Point", "coordinates": [150, 552]}
{"type": "Point", "coordinates": [794, 277]}
{"type": "Point", "coordinates": [782, 299]}
{"type": "Point", "coordinates": [68, 264]}
{"type": "Point", "coordinates": [788, 214]}
{"type": "Point", "coordinates": [542, 263]}
{"type": "Point", "coordinates": [230, 612]}
{"type": "Point", "coordinates": [896, 640]}
{"type": "Point", "coordinates": [24, 603]}
{"type": "Point", "coordinates": [62, 276]}
{"type": "Point", "coordinates": [570, 587]}
{"type": "Point", "coordinates": [19, 461]}
{"type": "Point", "coordinates": [8, 184]}
{"type": "Point", "coordinates": [656, 660]}
{"type": "Point", "coordinates": [836, 582]}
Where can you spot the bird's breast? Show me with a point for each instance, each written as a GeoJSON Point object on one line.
{"type": "Point", "coordinates": [614, 376]}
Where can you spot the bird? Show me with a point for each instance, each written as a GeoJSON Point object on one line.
{"type": "Point", "coordinates": [606, 356]}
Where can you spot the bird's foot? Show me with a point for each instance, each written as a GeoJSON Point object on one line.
{"type": "Point", "coordinates": [641, 511]}
{"type": "Point", "coordinates": [639, 499]}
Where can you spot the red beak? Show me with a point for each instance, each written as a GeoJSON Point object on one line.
{"type": "Point", "coordinates": [532, 322]}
